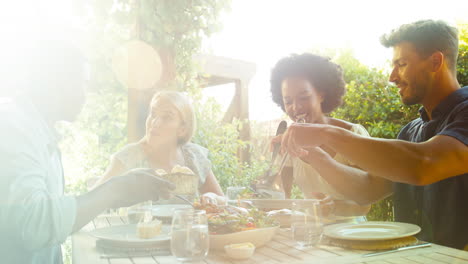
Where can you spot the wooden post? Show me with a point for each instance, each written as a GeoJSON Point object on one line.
{"type": "Point", "coordinates": [242, 87]}
{"type": "Point", "coordinates": [138, 104]}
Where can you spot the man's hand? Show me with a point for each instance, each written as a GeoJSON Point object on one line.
{"type": "Point", "coordinates": [299, 137]}
{"type": "Point", "coordinates": [135, 186]}
{"type": "Point", "coordinates": [138, 185]}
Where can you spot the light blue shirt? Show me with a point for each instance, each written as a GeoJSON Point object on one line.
{"type": "Point", "coordinates": [35, 215]}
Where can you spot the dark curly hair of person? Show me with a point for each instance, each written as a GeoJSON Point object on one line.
{"type": "Point", "coordinates": [324, 75]}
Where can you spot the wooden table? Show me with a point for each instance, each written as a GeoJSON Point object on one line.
{"type": "Point", "coordinates": [280, 250]}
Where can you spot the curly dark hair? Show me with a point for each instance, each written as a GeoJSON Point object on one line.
{"type": "Point", "coordinates": [323, 74]}
{"type": "Point", "coordinates": [427, 36]}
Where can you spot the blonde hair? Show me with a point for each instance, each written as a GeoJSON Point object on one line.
{"type": "Point", "coordinates": [185, 109]}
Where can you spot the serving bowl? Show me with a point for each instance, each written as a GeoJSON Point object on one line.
{"type": "Point", "coordinates": [258, 237]}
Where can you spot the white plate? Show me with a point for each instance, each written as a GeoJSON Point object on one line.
{"type": "Point", "coordinates": [126, 234]}
{"type": "Point", "coordinates": [371, 230]}
{"type": "Point", "coordinates": [166, 210]}
{"type": "Point", "coordinates": [258, 237]}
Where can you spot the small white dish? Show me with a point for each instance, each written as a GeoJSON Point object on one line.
{"type": "Point", "coordinates": [240, 251]}
{"type": "Point", "coordinates": [258, 237]}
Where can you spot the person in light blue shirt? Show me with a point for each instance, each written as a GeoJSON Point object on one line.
{"type": "Point", "coordinates": [35, 215]}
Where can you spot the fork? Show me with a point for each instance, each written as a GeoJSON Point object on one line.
{"type": "Point", "coordinates": [286, 155]}
{"type": "Point", "coordinates": [279, 131]}
{"type": "Point", "coordinates": [184, 199]}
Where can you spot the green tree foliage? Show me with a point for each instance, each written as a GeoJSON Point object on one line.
{"type": "Point", "coordinates": [370, 100]}
{"type": "Point", "coordinates": [462, 64]}
{"type": "Point", "coordinates": [223, 143]}
{"type": "Point", "coordinates": [174, 26]}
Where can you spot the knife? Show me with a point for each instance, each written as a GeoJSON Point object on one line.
{"type": "Point", "coordinates": [396, 250]}
{"type": "Point", "coordinates": [119, 256]}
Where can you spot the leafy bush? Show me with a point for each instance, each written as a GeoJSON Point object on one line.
{"type": "Point", "coordinates": [222, 140]}
{"type": "Point", "coordinates": [462, 64]}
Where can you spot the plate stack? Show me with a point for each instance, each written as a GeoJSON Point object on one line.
{"type": "Point", "coordinates": [122, 239]}
{"type": "Point", "coordinates": [371, 235]}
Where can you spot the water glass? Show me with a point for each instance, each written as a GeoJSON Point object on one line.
{"type": "Point", "coordinates": [233, 193]}
{"type": "Point", "coordinates": [306, 222]}
{"type": "Point", "coordinates": [190, 238]}
{"type": "Point", "coordinates": [141, 212]}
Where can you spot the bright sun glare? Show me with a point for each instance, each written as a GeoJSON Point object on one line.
{"type": "Point", "coordinates": [264, 31]}
{"type": "Point", "coordinates": [21, 23]}
{"type": "Point", "coordinates": [258, 31]}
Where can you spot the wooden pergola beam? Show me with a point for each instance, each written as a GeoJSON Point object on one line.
{"type": "Point", "coordinates": [217, 70]}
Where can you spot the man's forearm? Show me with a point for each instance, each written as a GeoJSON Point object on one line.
{"type": "Point", "coordinates": [394, 160]}
{"type": "Point", "coordinates": [353, 183]}
{"type": "Point", "coordinates": [91, 204]}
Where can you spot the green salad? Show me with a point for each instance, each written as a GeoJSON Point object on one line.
{"type": "Point", "coordinates": [235, 219]}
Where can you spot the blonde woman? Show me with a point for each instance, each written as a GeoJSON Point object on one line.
{"type": "Point", "coordinates": [169, 127]}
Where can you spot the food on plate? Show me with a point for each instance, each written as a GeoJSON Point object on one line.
{"type": "Point", "coordinates": [240, 250]}
{"type": "Point", "coordinates": [147, 230]}
{"type": "Point", "coordinates": [209, 208]}
{"type": "Point", "coordinates": [181, 169]}
{"type": "Point", "coordinates": [230, 219]}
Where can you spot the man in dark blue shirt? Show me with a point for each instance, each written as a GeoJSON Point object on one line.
{"type": "Point", "coordinates": [428, 164]}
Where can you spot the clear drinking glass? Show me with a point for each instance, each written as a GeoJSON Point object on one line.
{"type": "Point", "coordinates": [141, 212]}
{"type": "Point", "coordinates": [233, 193]}
{"type": "Point", "coordinates": [306, 222]}
{"type": "Point", "coordinates": [190, 239]}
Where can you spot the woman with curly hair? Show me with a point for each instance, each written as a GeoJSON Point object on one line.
{"type": "Point", "coordinates": [308, 87]}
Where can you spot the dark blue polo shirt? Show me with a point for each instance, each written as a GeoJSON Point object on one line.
{"type": "Point", "coordinates": [441, 208]}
